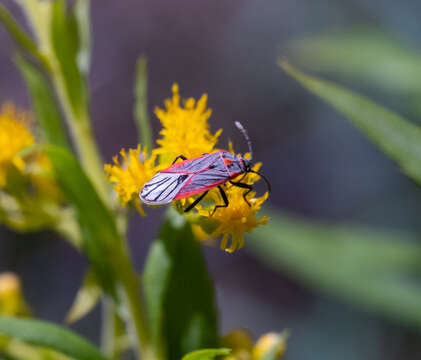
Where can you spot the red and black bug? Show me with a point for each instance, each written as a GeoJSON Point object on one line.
{"type": "Point", "coordinates": [199, 175]}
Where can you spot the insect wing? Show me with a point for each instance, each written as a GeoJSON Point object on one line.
{"type": "Point", "coordinates": [193, 166]}
{"type": "Point", "coordinates": [163, 188]}
{"type": "Point", "coordinates": [200, 183]}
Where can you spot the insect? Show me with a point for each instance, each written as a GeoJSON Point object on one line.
{"type": "Point", "coordinates": [198, 175]}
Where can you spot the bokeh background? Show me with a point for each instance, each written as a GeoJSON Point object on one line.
{"type": "Point", "coordinates": [319, 165]}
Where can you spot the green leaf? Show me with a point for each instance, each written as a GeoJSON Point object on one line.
{"type": "Point", "coordinates": [397, 137]}
{"type": "Point", "coordinates": [87, 298]}
{"type": "Point", "coordinates": [44, 103]}
{"type": "Point", "coordinates": [179, 292]}
{"type": "Point", "coordinates": [141, 104]}
{"type": "Point", "coordinates": [81, 13]}
{"type": "Point", "coordinates": [100, 237]}
{"type": "Point", "coordinates": [377, 270]}
{"type": "Point", "coordinates": [19, 35]}
{"type": "Point", "coordinates": [364, 54]}
{"type": "Point", "coordinates": [65, 42]}
{"type": "Point", "coordinates": [51, 336]}
{"type": "Point", "coordinates": [206, 354]}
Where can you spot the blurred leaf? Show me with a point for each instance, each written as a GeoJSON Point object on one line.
{"type": "Point", "coordinates": [19, 35]}
{"type": "Point", "coordinates": [206, 354]}
{"type": "Point", "coordinates": [65, 41]}
{"type": "Point", "coordinates": [365, 54]}
{"type": "Point", "coordinates": [397, 137]}
{"type": "Point", "coordinates": [378, 270]}
{"type": "Point", "coordinates": [141, 104]}
{"type": "Point", "coordinates": [179, 292]}
{"type": "Point", "coordinates": [82, 15]}
{"type": "Point", "coordinates": [44, 103]}
{"type": "Point", "coordinates": [99, 232]}
{"type": "Point", "coordinates": [51, 336]}
{"type": "Point", "coordinates": [87, 298]}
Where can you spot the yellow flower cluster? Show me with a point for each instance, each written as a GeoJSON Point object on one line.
{"type": "Point", "coordinates": [237, 218]}
{"type": "Point", "coordinates": [185, 130]}
{"type": "Point", "coordinates": [29, 194]}
{"type": "Point", "coordinates": [130, 176]}
{"type": "Point", "coordinates": [14, 136]}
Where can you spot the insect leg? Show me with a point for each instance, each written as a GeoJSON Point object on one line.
{"type": "Point", "coordinates": [224, 197]}
{"type": "Point", "coordinates": [179, 157]}
{"type": "Point", "coordinates": [244, 186]}
{"type": "Point", "coordinates": [241, 179]}
{"type": "Point", "coordinates": [194, 203]}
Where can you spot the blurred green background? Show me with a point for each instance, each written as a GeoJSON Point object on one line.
{"type": "Point", "coordinates": [342, 295]}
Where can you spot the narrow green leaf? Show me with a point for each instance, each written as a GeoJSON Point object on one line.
{"type": "Point", "coordinates": [44, 103]}
{"type": "Point", "coordinates": [141, 104]}
{"type": "Point", "coordinates": [87, 298]}
{"type": "Point", "coordinates": [19, 35]}
{"type": "Point", "coordinates": [377, 270]}
{"type": "Point", "coordinates": [65, 41]}
{"type": "Point", "coordinates": [51, 336]}
{"type": "Point", "coordinates": [81, 13]}
{"type": "Point", "coordinates": [99, 232]}
{"type": "Point", "coordinates": [206, 354]}
{"type": "Point", "coordinates": [397, 137]}
{"type": "Point", "coordinates": [179, 292]}
{"type": "Point", "coordinates": [365, 54]}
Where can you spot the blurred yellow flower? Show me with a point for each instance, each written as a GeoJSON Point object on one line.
{"type": "Point", "coordinates": [267, 342]}
{"type": "Point", "coordinates": [11, 297]}
{"type": "Point", "coordinates": [14, 136]}
{"type": "Point", "coordinates": [238, 217]}
{"type": "Point", "coordinates": [185, 128]}
{"type": "Point", "coordinates": [241, 343]}
{"type": "Point", "coordinates": [131, 174]}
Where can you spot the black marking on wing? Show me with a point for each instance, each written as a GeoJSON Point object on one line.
{"type": "Point", "coordinates": [153, 186]}
{"type": "Point", "coordinates": [171, 186]}
{"type": "Point", "coordinates": [162, 188]}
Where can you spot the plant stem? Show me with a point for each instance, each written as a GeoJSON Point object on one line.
{"type": "Point", "coordinates": [131, 296]}
{"type": "Point", "coordinates": [83, 139]}
{"type": "Point", "coordinates": [108, 340]}
{"type": "Point", "coordinates": [141, 106]}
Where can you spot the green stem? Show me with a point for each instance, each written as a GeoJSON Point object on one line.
{"type": "Point", "coordinates": [141, 106]}
{"type": "Point", "coordinates": [131, 296]}
{"type": "Point", "coordinates": [108, 340]}
{"type": "Point", "coordinates": [83, 139]}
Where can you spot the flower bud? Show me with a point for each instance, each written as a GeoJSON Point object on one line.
{"type": "Point", "coordinates": [270, 342]}
{"type": "Point", "coordinates": [11, 298]}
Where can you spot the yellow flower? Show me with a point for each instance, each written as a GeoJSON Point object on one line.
{"type": "Point", "coordinates": [11, 298]}
{"type": "Point", "coordinates": [130, 176]}
{"type": "Point", "coordinates": [267, 342]}
{"type": "Point", "coordinates": [14, 136]}
{"type": "Point", "coordinates": [185, 128]}
{"type": "Point", "coordinates": [241, 344]}
{"type": "Point", "coordinates": [238, 217]}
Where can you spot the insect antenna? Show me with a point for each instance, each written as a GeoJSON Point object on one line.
{"type": "Point", "coordinates": [244, 132]}
{"type": "Point", "coordinates": [264, 178]}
